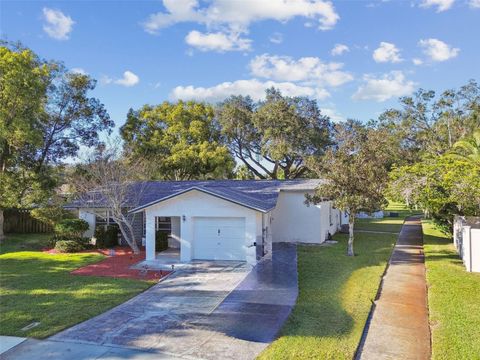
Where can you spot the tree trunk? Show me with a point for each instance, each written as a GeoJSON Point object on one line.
{"type": "Point", "coordinates": [351, 222]}
{"type": "Point", "coordinates": [2, 235]}
{"type": "Point", "coordinates": [128, 238]}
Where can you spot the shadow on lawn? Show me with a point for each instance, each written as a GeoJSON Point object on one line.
{"type": "Point", "coordinates": [327, 299]}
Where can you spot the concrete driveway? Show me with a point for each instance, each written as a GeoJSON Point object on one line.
{"type": "Point", "coordinates": [217, 310]}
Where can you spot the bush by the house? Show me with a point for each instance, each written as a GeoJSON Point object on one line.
{"type": "Point", "coordinates": [161, 240]}
{"type": "Point", "coordinates": [71, 228]}
{"type": "Point", "coordinates": [106, 237]}
{"type": "Point", "coordinates": [69, 246]}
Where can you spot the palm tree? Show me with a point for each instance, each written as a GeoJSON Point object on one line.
{"type": "Point", "coordinates": [468, 149]}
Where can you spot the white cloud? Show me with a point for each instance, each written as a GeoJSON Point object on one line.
{"type": "Point", "coordinates": [333, 114]}
{"type": "Point", "coordinates": [393, 84]}
{"type": "Point", "coordinates": [339, 49]}
{"type": "Point", "coordinates": [128, 79]}
{"type": "Point", "coordinates": [441, 5]}
{"type": "Point", "coordinates": [437, 50]}
{"type": "Point", "coordinates": [238, 15]}
{"type": "Point", "coordinates": [252, 87]}
{"type": "Point", "coordinates": [474, 4]}
{"type": "Point", "coordinates": [276, 38]}
{"type": "Point", "coordinates": [217, 41]}
{"type": "Point", "coordinates": [308, 70]}
{"type": "Point", "coordinates": [387, 52]}
{"type": "Point", "coordinates": [78, 70]}
{"type": "Point", "coordinates": [417, 61]}
{"type": "Point", "coordinates": [58, 24]}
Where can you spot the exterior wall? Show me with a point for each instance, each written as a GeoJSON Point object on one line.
{"type": "Point", "coordinates": [466, 238]}
{"type": "Point", "coordinates": [198, 204]}
{"type": "Point", "coordinates": [88, 216]}
{"type": "Point", "coordinates": [294, 221]}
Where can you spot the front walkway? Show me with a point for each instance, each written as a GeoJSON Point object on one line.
{"type": "Point", "coordinates": [216, 310]}
{"type": "Point", "coordinates": [399, 327]}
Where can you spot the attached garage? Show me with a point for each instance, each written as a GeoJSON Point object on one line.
{"type": "Point", "coordinates": [219, 238]}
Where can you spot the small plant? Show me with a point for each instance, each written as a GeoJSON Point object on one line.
{"type": "Point", "coordinates": [71, 228]}
{"type": "Point", "coordinates": [106, 238]}
{"type": "Point", "coordinates": [69, 246]}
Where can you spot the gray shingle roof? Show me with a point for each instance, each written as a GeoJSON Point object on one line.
{"type": "Point", "coordinates": [260, 195]}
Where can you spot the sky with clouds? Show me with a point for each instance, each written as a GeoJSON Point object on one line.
{"type": "Point", "coordinates": [355, 57]}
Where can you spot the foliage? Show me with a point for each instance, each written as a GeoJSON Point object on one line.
{"type": "Point", "coordinates": [69, 246]}
{"type": "Point", "coordinates": [181, 140]}
{"type": "Point", "coordinates": [51, 213]}
{"type": "Point", "coordinates": [453, 299]}
{"type": "Point", "coordinates": [38, 286]}
{"type": "Point", "coordinates": [106, 237]}
{"type": "Point", "coordinates": [71, 228]}
{"type": "Point", "coordinates": [441, 185]}
{"type": "Point", "coordinates": [334, 300]}
{"type": "Point", "coordinates": [354, 171]}
{"type": "Point", "coordinates": [274, 138]}
{"type": "Point", "coordinates": [426, 124]}
{"type": "Point", "coordinates": [45, 115]}
{"type": "Point", "coordinates": [161, 240]}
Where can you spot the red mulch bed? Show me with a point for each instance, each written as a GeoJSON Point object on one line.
{"type": "Point", "coordinates": [117, 266]}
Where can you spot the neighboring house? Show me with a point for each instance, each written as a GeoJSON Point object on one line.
{"type": "Point", "coordinates": [224, 219]}
{"type": "Point", "coordinates": [466, 238]}
{"type": "Point", "coordinates": [370, 215]}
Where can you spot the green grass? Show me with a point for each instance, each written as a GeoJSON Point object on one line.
{"type": "Point", "coordinates": [453, 297]}
{"type": "Point", "coordinates": [388, 224]}
{"type": "Point", "coordinates": [335, 296]}
{"type": "Point", "coordinates": [36, 286]}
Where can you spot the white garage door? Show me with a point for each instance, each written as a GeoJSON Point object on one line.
{"type": "Point", "coordinates": [219, 238]}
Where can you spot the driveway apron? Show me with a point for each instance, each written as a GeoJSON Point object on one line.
{"type": "Point", "coordinates": [217, 310]}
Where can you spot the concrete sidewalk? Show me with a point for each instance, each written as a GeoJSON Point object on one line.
{"type": "Point", "coordinates": [399, 327]}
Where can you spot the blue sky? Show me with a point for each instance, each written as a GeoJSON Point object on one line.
{"type": "Point", "coordinates": [150, 51]}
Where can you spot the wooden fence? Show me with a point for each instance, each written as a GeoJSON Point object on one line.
{"type": "Point", "coordinates": [20, 221]}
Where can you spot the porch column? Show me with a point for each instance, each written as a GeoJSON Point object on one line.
{"type": "Point", "coordinates": [186, 237]}
{"type": "Point", "coordinates": [150, 236]}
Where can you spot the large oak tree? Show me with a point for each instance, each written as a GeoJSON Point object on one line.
{"type": "Point", "coordinates": [274, 138]}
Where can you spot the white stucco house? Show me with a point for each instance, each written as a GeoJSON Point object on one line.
{"type": "Point", "coordinates": [225, 219]}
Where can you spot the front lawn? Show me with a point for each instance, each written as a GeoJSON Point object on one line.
{"type": "Point", "coordinates": [453, 298]}
{"type": "Point", "coordinates": [335, 296]}
{"type": "Point", "coordinates": [38, 287]}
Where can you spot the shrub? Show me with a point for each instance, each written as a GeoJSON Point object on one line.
{"type": "Point", "coordinates": [69, 246]}
{"type": "Point", "coordinates": [161, 240]}
{"type": "Point", "coordinates": [71, 228]}
{"type": "Point", "coordinates": [51, 214]}
{"type": "Point", "coordinates": [106, 238]}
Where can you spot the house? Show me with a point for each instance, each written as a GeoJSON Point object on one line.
{"type": "Point", "coordinates": [223, 219]}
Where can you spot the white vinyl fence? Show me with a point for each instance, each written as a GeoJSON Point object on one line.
{"type": "Point", "coordinates": [466, 237]}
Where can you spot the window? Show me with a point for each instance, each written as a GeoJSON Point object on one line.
{"type": "Point", "coordinates": [163, 224]}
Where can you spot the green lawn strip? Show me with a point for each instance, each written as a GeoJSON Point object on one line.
{"type": "Point", "coordinates": [37, 286]}
{"type": "Point", "coordinates": [335, 297]}
{"type": "Point", "coordinates": [388, 224]}
{"type": "Point", "coordinates": [453, 298]}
